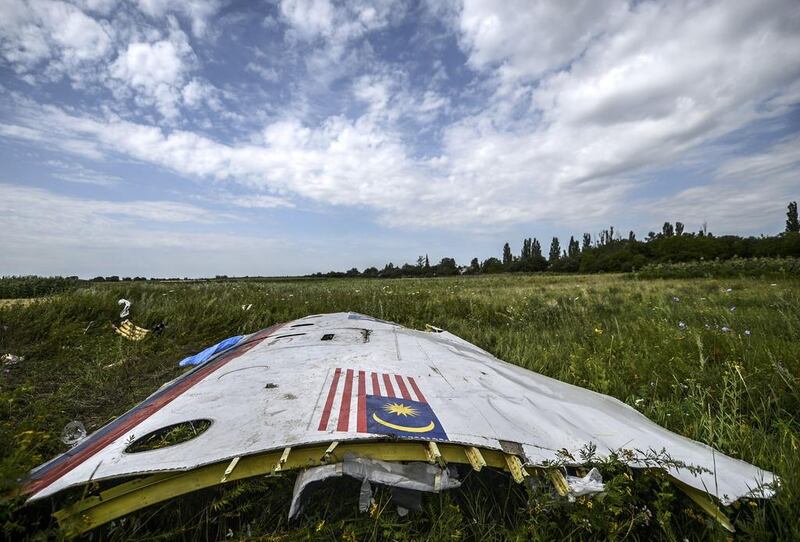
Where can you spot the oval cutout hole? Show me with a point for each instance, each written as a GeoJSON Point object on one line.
{"type": "Point", "coordinates": [170, 435]}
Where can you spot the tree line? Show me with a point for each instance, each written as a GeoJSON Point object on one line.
{"type": "Point", "coordinates": [607, 251]}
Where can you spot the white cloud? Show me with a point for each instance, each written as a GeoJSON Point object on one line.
{"type": "Point", "coordinates": [569, 106]}
{"type": "Point", "coordinates": [48, 233]}
{"type": "Point", "coordinates": [265, 72]}
{"type": "Point", "coordinates": [156, 72]}
{"type": "Point", "coordinates": [531, 37]}
{"type": "Point", "coordinates": [76, 173]}
{"type": "Point", "coordinates": [55, 33]}
{"type": "Point", "coordinates": [749, 193]}
{"type": "Point", "coordinates": [38, 222]}
{"type": "Point", "coordinates": [199, 12]}
{"type": "Point", "coordinates": [309, 17]}
{"type": "Point", "coordinates": [261, 201]}
{"type": "Point", "coordinates": [312, 19]}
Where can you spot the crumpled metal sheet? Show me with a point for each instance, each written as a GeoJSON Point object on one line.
{"type": "Point", "coordinates": [413, 476]}
{"type": "Point", "coordinates": [348, 377]}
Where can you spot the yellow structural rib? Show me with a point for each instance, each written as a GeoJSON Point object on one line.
{"type": "Point", "coordinates": [125, 498]}
{"type": "Point", "coordinates": [134, 495]}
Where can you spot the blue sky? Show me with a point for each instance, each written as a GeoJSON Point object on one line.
{"type": "Point", "coordinates": [284, 137]}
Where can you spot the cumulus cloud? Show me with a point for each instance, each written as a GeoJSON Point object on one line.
{"type": "Point", "coordinates": [55, 37]}
{"type": "Point", "coordinates": [156, 72]}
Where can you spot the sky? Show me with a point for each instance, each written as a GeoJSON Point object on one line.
{"type": "Point", "coordinates": [207, 137]}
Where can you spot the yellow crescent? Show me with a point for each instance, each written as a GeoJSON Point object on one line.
{"type": "Point", "coordinates": [425, 429]}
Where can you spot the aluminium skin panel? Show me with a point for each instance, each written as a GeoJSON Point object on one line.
{"type": "Point", "coordinates": [348, 377]}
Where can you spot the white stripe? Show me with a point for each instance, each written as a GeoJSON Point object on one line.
{"type": "Point", "coordinates": [353, 427]}
{"type": "Point", "coordinates": [411, 391]}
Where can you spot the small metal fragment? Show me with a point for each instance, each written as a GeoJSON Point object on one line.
{"type": "Point", "coordinates": [229, 470]}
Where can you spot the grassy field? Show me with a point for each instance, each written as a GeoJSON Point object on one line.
{"type": "Point", "coordinates": [717, 360]}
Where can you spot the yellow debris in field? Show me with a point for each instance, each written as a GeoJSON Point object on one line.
{"type": "Point", "coordinates": [131, 331]}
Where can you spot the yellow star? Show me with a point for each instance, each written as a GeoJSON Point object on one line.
{"type": "Point", "coordinates": [400, 409]}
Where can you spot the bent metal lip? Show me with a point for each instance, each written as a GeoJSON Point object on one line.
{"type": "Point", "coordinates": [306, 392]}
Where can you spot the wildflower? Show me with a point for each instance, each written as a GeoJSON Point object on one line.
{"type": "Point", "coordinates": [773, 284]}
{"type": "Point", "coordinates": [682, 325]}
{"type": "Point", "coordinates": [638, 402]}
{"type": "Point", "coordinates": [725, 329]}
{"type": "Point", "coordinates": [598, 331]}
{"type": "Point", "coordinates": [676, 299]}
{"type": "Point", "coordinates": [728, 290]}
{"type": "Point", "coordinates": [747, 332]}
{"type": "Point", "coordinates": [733, 309]}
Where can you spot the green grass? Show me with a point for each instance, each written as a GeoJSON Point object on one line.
{"type": "Point", "coordinates": [736, 391]}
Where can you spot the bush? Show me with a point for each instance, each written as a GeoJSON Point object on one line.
{"type": "Point", "coordinates": [735, 267]}
{"type": "Point", "coordinates": [31, 286]}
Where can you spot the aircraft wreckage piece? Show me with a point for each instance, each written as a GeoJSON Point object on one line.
{"type": "Point", "coordinates": [309, 392]}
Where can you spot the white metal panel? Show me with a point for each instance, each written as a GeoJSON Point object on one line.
{"type": "Point", "coordinates": [275, 395]}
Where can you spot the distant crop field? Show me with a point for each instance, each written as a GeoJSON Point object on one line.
{"type": "Point", "coordinates": [716, 360]}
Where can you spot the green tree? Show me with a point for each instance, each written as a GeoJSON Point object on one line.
{"type": "Point", "coordinates": [536, 249]}
{"type": "Point", "coordinates": [587, 241]}
{"type": "Point", "coordinates": [526, 250]}
{"type": "Point", "coordinates": [555, 250]}
{"type": "Point", "coordinates": [492, 265]}
{"type": "Point", "coordinates": [446, 267]}
{"type": "Point", "coordinates": [574, 248]}
{"type": "Point", "coordinates": [679, 228]}
{"type": "Point", "coordinates": [667, 230]}
{"type": "Point", "coordinates": [507, 257]}
{"type": "Point", "coordinates": [792, 225]}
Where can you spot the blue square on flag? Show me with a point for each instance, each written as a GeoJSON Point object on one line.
{"type": "Point", "coordinates": [402, 418]}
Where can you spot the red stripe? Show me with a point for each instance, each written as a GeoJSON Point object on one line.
{"type": "Point", "coordinates": [344, 409]}
{"type": "Point", "coordinates": [376, 388]}
{"type": "Point", "coordinates": [388, 385]}
{"type": "Point", "coordinates": [362, 403]}
{"type": "Point", "coordinates": [403, 388]}
{"type": "Point", "coordinates": [326, 412]}
{"type": "Point", "coordinates": [36, 485]}
{"type": "Point", "coordinates": [413, 383]}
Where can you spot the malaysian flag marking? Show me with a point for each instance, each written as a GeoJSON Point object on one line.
{"type": "Point", "coordinates": [378, 403]}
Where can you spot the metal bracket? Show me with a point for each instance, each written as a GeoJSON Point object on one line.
{"type": "Point", "coordinates": [283, 459]}
{"type": "Point", "coordinates": [230, 468]}
{"type": "Point", "coordinates": [559, 482]}
{"type": "Point", "coordinates": [475, 457]}
{"type": "Point", "coordinates": [326, 457]}
{"type": "Point", "coordinates": [434, 455]}
{"type": "Point", "coordinates": [518, 472]}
